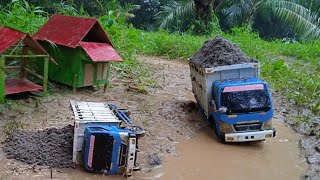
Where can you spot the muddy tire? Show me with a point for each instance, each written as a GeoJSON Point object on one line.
{"type": "Point", "coordinates": [214, 127]}
{"type": "Point", "coordinates": [222, 139]}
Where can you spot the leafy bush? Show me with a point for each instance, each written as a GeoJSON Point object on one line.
{"type": "Point", "coordinates": [22, 16]}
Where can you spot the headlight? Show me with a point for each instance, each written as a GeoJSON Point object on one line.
{"type": "Point", "coordinates": [225, 128]}
{"type": "Point", "coordinates": [267, 125]}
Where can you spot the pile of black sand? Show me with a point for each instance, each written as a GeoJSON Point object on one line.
{"type": "Point", "coordinates": [219, 52]}
{"type": "Point", "coordinates": [51, 147]}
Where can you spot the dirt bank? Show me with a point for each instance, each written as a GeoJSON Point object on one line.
{"type": "Point", "coordinates": [309, 143]}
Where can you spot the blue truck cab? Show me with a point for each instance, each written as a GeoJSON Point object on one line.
{"type": "Point", "coordinates": [241, 110]}
{"type": "Point", "coordinates": [235, 102]}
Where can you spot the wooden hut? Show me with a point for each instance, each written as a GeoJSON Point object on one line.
{"type": "Point", "coordinates": [16, 45]}
{"type": "Point", "coordinates": [81, 48]}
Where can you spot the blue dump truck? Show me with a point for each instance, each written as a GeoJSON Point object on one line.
{"type": "Point", "coordinates": [105, 139]}
{"type": "Point", "coordinates": [232, 98]}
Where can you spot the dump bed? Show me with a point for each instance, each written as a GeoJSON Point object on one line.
{"type": "Point", "coordinates": [203, 78]}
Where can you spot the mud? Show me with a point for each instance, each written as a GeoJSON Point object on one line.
{"type": "Point", "coordinates": [51, 147]}
{"type": "Point", "coordinates": [309, 142]}
{"type": "Point", "coordinates": [219, 52]}
{"type": "Point", "coordinates": [174, 130]}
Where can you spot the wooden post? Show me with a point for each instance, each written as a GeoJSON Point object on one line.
{"type": "Point", "coordinates": [75, 81]}
{"type": "Point", "coordinates": [45, 76]}
{"type": "Point", "coordinates": [2, 79]}
{"type": "Point", "coordinates": [23, 63]}
{"type": "Point", "coordinates": [107, 78]}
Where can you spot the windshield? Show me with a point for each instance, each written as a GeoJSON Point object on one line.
{"type": "Point", "coordinates": [248, 98]}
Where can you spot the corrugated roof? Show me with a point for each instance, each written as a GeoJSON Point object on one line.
{"type": "Point", "coordinates": [9, 37]}
{"type": "Point", "coordinates": [70, 31]}
{"type": "Point", "coordinates": [100, 52]}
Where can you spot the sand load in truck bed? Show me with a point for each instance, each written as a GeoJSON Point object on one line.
{"type": "Point", "coordinates": [219, 52]}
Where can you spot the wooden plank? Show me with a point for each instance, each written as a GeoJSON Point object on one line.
{"type": "Point", "coordinates": [45, 76]}
{"type": "Point", "coordinates": [75, 81]}
{"type": "Point", "coordinates": [17, 45]}
{"type": "Point", "coordinates": [12, 67]}
{"type": "Point", "coordinates": [33, 73]}
{"type": "Point", "coordinates": [2, 79]}
{"type": "Point", "coordinates": [23, 63]}
{"type": "Point", "coordinates": [27, 56]}
{"type": "Point", "coordinates": [18, 85]}
{"type": "Point", "coordinates": [88, 75]}
{"type": "Point", "coordinates": [99, 71]}
{"type": "Point", "coordinates": [107, 77]}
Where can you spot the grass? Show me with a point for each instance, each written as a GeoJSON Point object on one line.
{"type": "Point", "coordinates": [10, 127]}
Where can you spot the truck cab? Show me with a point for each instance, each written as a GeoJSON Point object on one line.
{"type": "Point", "coordinates": [241, 110]}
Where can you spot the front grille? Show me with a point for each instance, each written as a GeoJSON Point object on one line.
{"type": "Point", "coordinates": [248, 127]}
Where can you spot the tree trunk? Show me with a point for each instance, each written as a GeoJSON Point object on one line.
{"type": "Point", "coordinates": [203, 16]}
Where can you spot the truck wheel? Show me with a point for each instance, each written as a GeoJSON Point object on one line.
{"type": "Point", "coordinates": [222, 139]}
{"type": "Point", "coordinates": [137, 130]}
{"type": "Point", "coordinates": [214, 127]}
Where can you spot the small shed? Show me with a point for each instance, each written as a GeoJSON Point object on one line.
{"type": "Point", "coordinates": [82, 49]}
{"type": "Point", "coordinates": [18, 45]}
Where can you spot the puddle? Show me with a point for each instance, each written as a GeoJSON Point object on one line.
{"type": "Point", "coordinates": [204, 158]}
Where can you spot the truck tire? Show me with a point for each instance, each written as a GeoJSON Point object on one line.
{"type": "Point", "coordinates": [222, 139]}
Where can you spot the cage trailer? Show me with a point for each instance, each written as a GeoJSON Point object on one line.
{"type": "Point", "coordinates": [234, 101]}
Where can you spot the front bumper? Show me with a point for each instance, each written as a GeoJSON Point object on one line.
{"type": "Point", "coordinates": [250, 136]}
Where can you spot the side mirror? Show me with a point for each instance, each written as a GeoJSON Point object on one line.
{"type": "Point", "coordinates": [223, 109]}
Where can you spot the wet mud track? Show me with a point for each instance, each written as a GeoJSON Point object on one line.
{"type": "Point", "coordinates": [177, 145]}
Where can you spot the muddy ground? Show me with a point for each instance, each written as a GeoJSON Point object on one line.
{"type": "Point", "coordinates": [168, 114]}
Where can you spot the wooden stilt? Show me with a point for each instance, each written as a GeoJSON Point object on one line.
{"type": "Point", "coordinates": [45, 76]}
{"type": "Point", "coordinates": [75, 80]}
{"type": "Point", "coordinates": [2, 80]}
{"type": "Point", "coordinates": [23, 62]}
{"type": "Point", "coordinates": [107, 78]}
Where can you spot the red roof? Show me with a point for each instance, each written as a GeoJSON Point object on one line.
{"type": "Point", "coordinates": [70, 31]}
{"type": "Point", "coordinates": [9, 37]}
{"type": "Point", "coordinates": [100, 52]}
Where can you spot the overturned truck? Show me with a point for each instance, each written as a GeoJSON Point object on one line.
{"type": "Point", "coordinates": [229, 93]}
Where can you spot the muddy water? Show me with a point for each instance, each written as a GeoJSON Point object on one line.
{"type": "Point", "coordinates": [204, 158]}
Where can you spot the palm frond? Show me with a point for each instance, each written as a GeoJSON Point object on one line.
{"type": "Point", "coordinates": [303, 20]}
{"type": "Point", "coordinates": [174, 10]}
{"type": "Point", "coordinates": [237, 11]}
